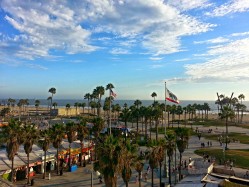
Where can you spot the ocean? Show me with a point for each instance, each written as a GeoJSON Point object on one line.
{"type": "Point", "coordinates": [63, 102]}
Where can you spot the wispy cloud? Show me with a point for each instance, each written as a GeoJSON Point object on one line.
{"type": "Point", "coordinates": [230, 7]}
{"type": "Point", "coordinates": [182, 60]}
{"type": "Point", "coordinates": [185, 5]}
{"type": "Point", "coordinates": [213, 41]}
{"type": "Point", "coordinates": [228, 62]}
{"type": "Point", "coordinates": [119, 51]}
{"type": "Point", "coordinates": [156, 58]}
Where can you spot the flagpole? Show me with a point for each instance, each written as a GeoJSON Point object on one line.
{"type": "Point", "coordinates": [165, 164]}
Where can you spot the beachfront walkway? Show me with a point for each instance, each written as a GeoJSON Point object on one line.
{"type": "Point", "coordinates": [82, 176]}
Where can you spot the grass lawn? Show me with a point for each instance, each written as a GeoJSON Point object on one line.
{"type": "Point", "coordinates": [240, 157]}
{"type": "Point", "coordinates": [243, 138]}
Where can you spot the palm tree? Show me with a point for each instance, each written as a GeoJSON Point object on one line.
{"type": "Point", "coordinates": [71, 137]}
{"type": "Point", "coordinates": [109, 151]}
{"type": "Point", "coordinates": [76, 105]}
{"type": "Point", "coordinates": [55, 105]}
{"type": "Point", "coordinates": [129, 155]}
{"type": "Point", "coordinates": [226, 113]}
{"type": "Point", "coordinates": [12, 135]}
{"type": "Point", "coordinates": [170, 147]}
{"type": "Point", "coordinates": [241, 97]}
{"type": "Point", "coordinates": [151, 156]}
{"type": "Point", "coordinates": [100, 91]}
{"type": "Point", "coordinates": [67, 108]}
{"type": "Point", "coordinates": [154, 95]}
{"type": "Point", "coordinates": [58, 132]}
{"type": "Point", "coordinates": [88, 97]}
{"type": "Point", "coordinates": [37, 103]}
{"type": "Point", "coordinates": [82, 132]}
{"type": "Point", "coordinates": [31, 135]}
{"type": "Point", "coordinates": [44, 142]}
{"type": "Point", "coordinates": [52, 91]}
{"type": "Point", "coordinates": [110, 87]}
{"type": "Point", "coordinates": [137, 104]}
{"type": "Point", "coordinates": [182, 137]}
{"type": "Point", "coordinates": [139, 165]}
{"type": "Point", "coordinates": [83, 105]}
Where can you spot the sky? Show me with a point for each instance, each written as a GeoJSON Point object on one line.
{"type": "Point", "coordinates": [198, 47]}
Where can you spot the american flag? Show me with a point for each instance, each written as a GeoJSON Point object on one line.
{"type": "Point", "coordinates": [113, 94]}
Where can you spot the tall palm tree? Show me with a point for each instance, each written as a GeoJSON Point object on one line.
{"type": "Point", "coordinates": [12, 135]}
{"type": "Point", "coordinates": [109, 151]}
{"type": "Point", "coordinates": [71, 131]}
{"type": "Point", "coordinates": [37, 104]}
{"type": "Point", "coordinates": [110, 87]}
{"type": "Point", "coordinates": [88, 97]}
{"type": "Point", "coordinates": [31, 135]}
{"type": "Point", "coordinates": [83, 105]}
{"type": "Point", "coordinates": [44, 142]}
{"type": "Point", "coordinates": [52, 91]}
{"type": "Point", "coordinates": [154, 95]}
{"type": "Point", "coordinates": [182, 137]}
{"type": "Point", "coordinates": [170, 147]}
{"type": "Point", "coordinates": [55, 104]}
{"type": "Point", "coordinates": [100, 91]}
{"type": "Point", "coordinates": [139, 165]}
{"type": "Point", "coordinates": [76, 105]}
{"type": "Point", "coordinates": [129, 155]}
{"type": "Point", "coordinates": [58, 132]}
{"type": "Point", "coordinates": [227, 113]}
{"type": "Point", "coordinates": [82, 132]}
{"type": "Point", "coordinates": [67, 108]}
{"type": "Point", "coordinates": [137, 104]}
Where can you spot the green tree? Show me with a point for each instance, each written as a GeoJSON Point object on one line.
{"type": "Point", "coordinates": [82, 133]}
{"type": "Point", "coordinates": [58, 133]}
{"type": "Point", "coordinates": [227, 113]}
{"type": "Point", "coordinates": [67, 108]}
{"type": "Point", "coordinates": [52, 91]}
{"type": "Point", "coordinates": [182, 137]}
{"type": "Point", "coordinates": [109, 151]}
{"type": "Point", "coordinates": [170, 147]}
{"type": "Point", "coordinates": [154, 95]}
{"type": "Point", "coordinates": [31, 135]}
{"type": "Point", "coordinates": [44, 142]}
{"type": "Point", "coordinates": [71, 131]}
{"type": "Point", "coordinates": [12, 135]}
{"type": "Point", "coordinates": [88, 97]}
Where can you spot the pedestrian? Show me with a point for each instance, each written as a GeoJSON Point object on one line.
{"type": "Point", "coordinates": [185, 163]}
{"type": "Point", "coordinates": [208, 143]}
{"type": "Point", "coordinates": [189, 160]}
{"type": "Point", "coordinates": [145, 177]}
{"type": "Point", "coordinates": [136, 179]}
{"type": "Point", "coordinates": [148, 169]}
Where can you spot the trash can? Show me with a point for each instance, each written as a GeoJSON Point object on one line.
{"type": "Point", "coordinates": [32, 182]}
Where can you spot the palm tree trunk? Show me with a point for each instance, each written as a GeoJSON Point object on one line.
{"type": "Point", "coordinates": [180, 167]}
{"type": "Point", "coordinates": [45, 164]}
{"type": "Point", "coordinates": [57, 160]}
{"type": "Point", "coordinates": [28, 169]}
{"type": "Point", "coordinates": [139, 178]}
{"type": "Point", "coordinates": [226, 132]}
{"type": "Point", "coordinates": [169, 170]}
{"type": "Point", "coordinates": [160, 173]}
{"type": "Point", "coordinates": [12, 170]}
{"type": "Point", "coordinates": [152, 177]}
{"type": "Point", "coordinates": [156, 130]}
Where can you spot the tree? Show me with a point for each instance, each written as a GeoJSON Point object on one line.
{"type": "Point", "coordinates": [170, 147]}
{"type": "Point", "coordinates": [67, 108]}
{"type": "Point", "coordinates": [37, 104]}
{"type": "Point", "coordinates": [44, 142]}
{"type": "Point", "coordinates": [52, 91]}
{"type": "Point", "coordinates": [137, 104]}
{"type": "Point", "coordinates": [226, 113]}
{"type": "Point", "coordinates": [58, 132]}
{"type": "Point", "coordinates": [82, 132]}
{"type": "Point", "coordinates": [100, 92]}
{"type": "Point", "coordinates": [12, 135]}
{"type": "Point", "coordinates": [88, 97]}
{"type": "Point", "coordinates": [55, 105]}
{"type": "Point", "coordinates": [154, 95]}
{"type": "Point", "coordinates": [71, 137]}
{"type": "Point", "coordinates": [110, 87]}
{"type": "Point", "coordinates": [182, 137]}
{"type": "Point", "coordinates": [76, 105]}
{"type": "Point", "coordinates": [109, 151]}
{"type": "Point", "coordinates": [31, 135]}
{"type": "Point", "coordinates": [241, 97]}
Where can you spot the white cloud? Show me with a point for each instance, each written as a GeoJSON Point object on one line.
{"type": "Point", "coordinates": [185, 5]}
{"type": "Point", "coordinates": [73, 26]}
{"type": "Point", "coordinates": [240, 34]}
{"type": "Point", "coordinates": [119, 51]}
{"type": "Point", "coordinates": [213, 41]}
{"type": "Point", "coordinates": [230, 7]}
{"type": "Point", "coordinates": [182, 60]}
{"type": "Point", "coordinates": [229, 62]}
{"type": "Point", "coordinates": [156, 66]}
{"type": "Point", "coordinates": [156, 58]}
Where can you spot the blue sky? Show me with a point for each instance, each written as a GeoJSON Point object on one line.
{"type": "Point", "coordinates": [199, 47]}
